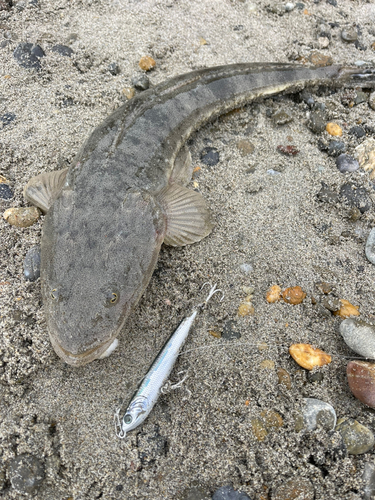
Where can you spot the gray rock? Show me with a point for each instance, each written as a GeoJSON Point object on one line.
{"type": "Point", "coordinates": [317, 123]}
{"type": "Point", "coordinates": [31, 264]}
{"type": "Point", "coordinates": [282, 118]}
{"type": "Point", "coordinates": [114, 69]}
{"type": "Point", "coordinates": [295, 488]}
{"type": "Point", "coordinates": [357, 131]}
{"type": "Point", "coordinates": [5, 192]}
{"type": "Point", "coordinates": [63, 50]}
{"type": "Point", "coordinates": [228, 493]}
{"type": "Point", "coordinates": [7, 118]}
{"type": "Point", "coordinates": [210, 156]}
{"type": "Point", "coordinates": [28, 55]}
{"type": "Point", "coordinates": [358, 439]}
{"type": "Point", "coordinates": [359, 336]}
{"type": "Point", "coordinates": [141, 82]}
{"type": "Point", "coordinates": [349, 35]}
{"type": "Point", "coordinates": [368, 479]}
{"type": "Point", "coordinates": [336, 148]}
{"type": "Point", "coordinates": [346, 163]}
{"type": "Point", "coordinates": [318, 413]}
{"type": "Point", "coordinates": [370, 246]}
{"type": "Point", "coordinates": [26, 473]}
{"type": "Point", "coordinates": [371, 100]}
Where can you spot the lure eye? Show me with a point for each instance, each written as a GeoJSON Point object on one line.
{"type": "Point", "coordinates": [54, 294]}
{"type": "Point", "coordinates": [128, 419]}
{"type": "Point", "coordinates": [111, 298]}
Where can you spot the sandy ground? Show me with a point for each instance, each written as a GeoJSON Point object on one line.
{"type": "Point", "coordinates": [199, 437]}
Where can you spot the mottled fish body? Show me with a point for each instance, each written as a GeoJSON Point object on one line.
{"type": "Point", "coordinates": [124, 195]}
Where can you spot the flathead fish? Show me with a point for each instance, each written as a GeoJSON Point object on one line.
{"type": "Point", "coordinates": [124, 195]}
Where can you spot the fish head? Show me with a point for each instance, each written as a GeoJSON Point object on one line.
{"type": "Point", "coordinates": [96, 262]}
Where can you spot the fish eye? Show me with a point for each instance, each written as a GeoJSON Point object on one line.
{"type": "Point", "coordinates": [128, 419]}
{"type": "Point", "coordinates": [111, 298]}
{"type": "Point", "coordinates": [54, 294]}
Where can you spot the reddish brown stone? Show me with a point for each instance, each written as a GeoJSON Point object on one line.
{"type": "Point", "coordinates": [361, 379]}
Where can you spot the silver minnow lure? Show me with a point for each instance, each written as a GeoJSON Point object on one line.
{"type": "Point", "coordinates": [145, 398]}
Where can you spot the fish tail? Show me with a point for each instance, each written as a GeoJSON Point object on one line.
{"type": "Point", "coordinates": [357, 77]}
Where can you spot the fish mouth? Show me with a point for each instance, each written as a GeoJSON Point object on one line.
{"type": "Point", "coordinates": [82, 358]}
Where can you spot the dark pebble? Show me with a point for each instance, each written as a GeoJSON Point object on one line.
{"type": "Point", "coordinates": [355, 196]}
{"type": "Point", "coordinates": [27, 55]}
{"type": "Point", "coordinates": [315, 377]}
{"type": "Point", "coordinates": [360, 97]}
{"type": "Point", "coordinates": [307, 98]}
{"type": "Point", "coordinates": [114, 69]}
{"type": "Point", "coordinates": [141, 82]}
{"type": "Point", "coordinates": [26, 473]}
{"type": "Point", "coordinates": [210, 156]}
{"type": "Point", "coordinates": [336, 148]}
{"type": "Point", "coordinates": [31, 264]}
{"type": "Point", "coordinates": [63, 50]}
{"type": "Point", "coordinates": [327, 195]}
{"type": "Point", "coordinates": [317, 123]}
{"type": "Point", "coordinates": [359, 46]}
{"type": "Point", "coordinates": [7, 118]}
{"type": "Point", "coordinates": [332, 2]}
{"type": "Point", "coordinates": [230, 332]}
{"type": "Point", "coordinates": [357, 131]}
{"type": "Point", "coordinates": [281, 118]}
{"type": "Point", "coordinates": [5, 192]}
{"type": "Point", "coordinates": [229, 493]}
{"type": "Point", "coordinates": [346, 163]}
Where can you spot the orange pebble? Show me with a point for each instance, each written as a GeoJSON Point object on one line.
{"type": "Point", "coordinates": [347, 309]}
{"type": "Point", "coordinates": [146, 63]}
{"type": "Point", "coordinates": [273, 294]}
{"type": "Point", "coordinates": [294, 295]}
{"type": "Point", "coordinates": [308, 357]}
{"type": "Point", "coordinates": [334, 129]}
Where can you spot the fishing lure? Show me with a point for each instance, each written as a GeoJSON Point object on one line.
{"type": "Point", "coordinates": [146, 396]}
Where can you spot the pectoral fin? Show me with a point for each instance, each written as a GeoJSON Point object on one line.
{"type": "Point", "coordinates": [183, 167]}
{"type": "Point", "coordinates": [43, 189]}
{"type": "Point", "coordinates": [188, 219]}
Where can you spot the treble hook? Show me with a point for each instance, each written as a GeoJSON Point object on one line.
{"type": "Point", "coordinates": [212, 292]}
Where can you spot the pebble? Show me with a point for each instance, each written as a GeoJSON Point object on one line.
{"type": "Point", "coordinates": [284, 378]}
{"type": "Point", "coordinates": [361, 380]}
{"type": "Point", "coordinates": [331, 303]}
{"type": "Point", "coordinates": [327, 195]}
{"type": "Point", "coordinates": [62, 50]}
{"type": "Point", "coordinates": [114, 69]}
{"type": "Point", "coordinates": [272, 419]}
{"type": "Point", "coordinates": [22, 217]}
{"type": "Point", "coordinates": [336, 148]}
{"type": "Point", "coordinates": [289, 6]}
{"type": "Point", "coordinates": [147, 63]}
{"type": "Point", "coordinates": [359, 336]}
{"type": "Point", "coordinates": [307, 98]}
{"type": "Point", "coordinates": [347, 309]}
{"type": "Point", "coordinates": [320, 60]}
{"type": "Point", "coordinates": [288, 150]}
{"type": "Point", "coordinates": [313, 377]}
{"type": "Point", "coordinates": [26, 473]}
{"type": "Point", "coordinates": [271, 171]}
{"type": "Point", "coordinates": [370, 246]}
{"type": "Point", "coordinates": [210, 156]}
{"type": "Point", "coordinates": [324, 287]}
{"type": "Point", "coordinates": [229, 493]}
{"type": "Point", "coordinates": [129, 92]}
{"type": "Point", "coordinates": [7, 119]}
{"type": "Point", "coordinates": [294, 295]}
{"type": "Point", "coordinates": [267, 364]}
{"type": "Point", "coordinates": [141, 82]}
{"type": "Point", "coordinates": [346, 163]}
{"type": "Point", "coordinates": [358, 439]}
{"type": "Point", "coordinates": [309, 357]}
{"type": "Point", "coordinates": [365, 153]}
{"type": "Point", "coordinates": [334, 129]}
{"type": "Point", "coordinates": [318, 413]}
{"type": "Point", "coordinates": [230, 331]}
{"type": "Point", "coordinates": [297, 488]}
{"type": "Point", "coordinates": [246, 309]}
{"type": "Point", "coordinates": [316, 123]}
{"type": "Point", "coordinates": [357, 131]}
{"type": "Point", "coordinates": [360, 97]}
{"type": "Point", "coordinates": [368, 479]}
{"type": "Point", "coordinates": [245, 147]}
{"type": "Point", "coordinates": [282, 118]}
{"type": "Point", "coordinates": [31, 264]}
{"type": "Point", "coordinates": [371, 100]}
{"type": "Point", "coordinates": [28, 55]}
{"type": "Point", "coordinates": [258, 428]}
{"type": "Point", "coordinates": [356, 197]}
{"type": "Point", "coordinates": [273, 294]}
{"type": "Point", "coordinates": [349, 35]}
{"type": "Point", "coordinates": [246, 268]}
{"type": "Point", "coordinates": [5, 192]}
